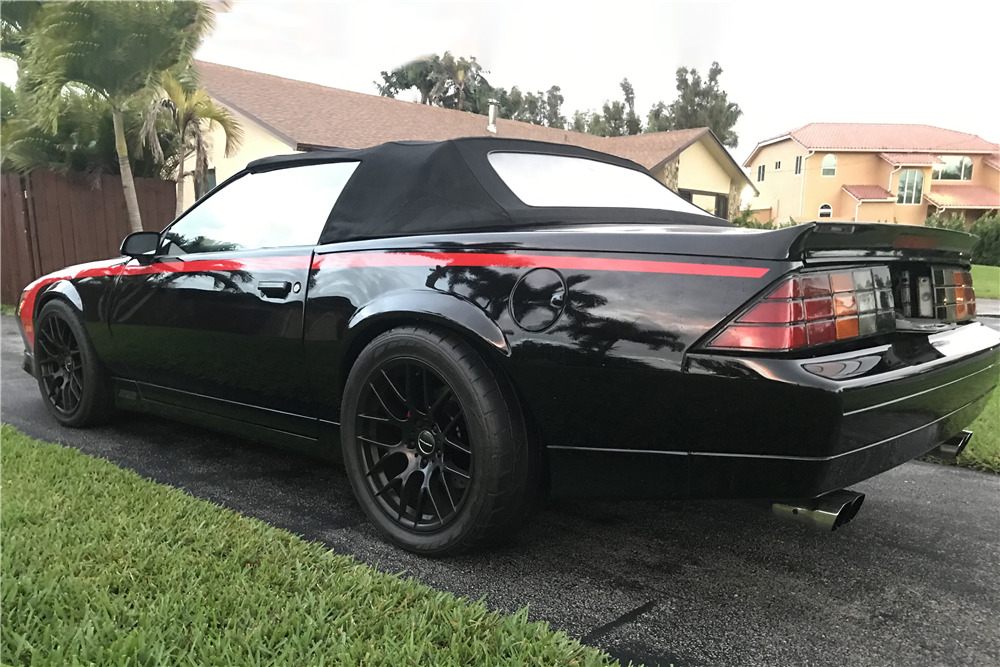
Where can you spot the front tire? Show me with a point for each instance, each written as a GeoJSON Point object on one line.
{"type": "Point", "coordinates": [434, 443]}
{"type": "Point", "coordinates": [71, 378]}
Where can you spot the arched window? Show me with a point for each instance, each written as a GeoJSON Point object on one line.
{"type": "Point", "coordinates": [911, 185]}
{"type": "Point", "coordinates": [953, 168]}
{"type": "Point", "coordinates": [829, 164]}
{"type": "Point", "coordinates": [826, 211]}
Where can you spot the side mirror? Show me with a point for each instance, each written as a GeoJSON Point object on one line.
{"type": "Point", "coordinates": [141, 244]}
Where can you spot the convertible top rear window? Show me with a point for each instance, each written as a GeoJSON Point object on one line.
{"type": "Point", "coordinates": [560, 180]}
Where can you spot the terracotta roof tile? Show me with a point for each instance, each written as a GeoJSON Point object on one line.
{"type": "Point", "coordinates": [993, 161]}
{"type": "Point", "coordinates": [886, 137]}
{"type": "Point", "coordinates": [310, 115]}
{"type": "Point", "coordinates": [963, 196]}
{"type": "Point", "coordinates": [868, 192]}
{"type": "Point", "coordinates": [910, 159]}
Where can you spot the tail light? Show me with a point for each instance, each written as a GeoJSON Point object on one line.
{"type": "Point", "coordinates": [813, 309]}
{"type": "Point", "coordinates": [954, 298]}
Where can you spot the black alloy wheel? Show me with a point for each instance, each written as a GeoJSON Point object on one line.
{"type": "Point", "coordinates": [434, 443]}
{"type": "Point", "coordinates": [60, 365]}
{"type": "Point", "coordinates": [71, 379]}
{"type": "Point", "coordinates": [414, 445]}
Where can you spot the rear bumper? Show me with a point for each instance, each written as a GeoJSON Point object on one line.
{"type": "Point", "coordinates": [795, 429]}
{"type": "Point", "coordinates": [787, 477]}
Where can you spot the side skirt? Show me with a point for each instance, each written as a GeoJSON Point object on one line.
{"type": "Point", "coordinates": [296, 432]}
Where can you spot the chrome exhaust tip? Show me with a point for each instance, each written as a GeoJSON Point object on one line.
{"type": "Point", "coordinates": [953, 446]}
{"type": "Point", "coordinates": [824, 514]}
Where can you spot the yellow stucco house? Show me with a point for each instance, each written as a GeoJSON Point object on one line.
{"type": "Point", "coordinates": [281, 115]}
{"type": "Point", "coordinates": [874, 173]}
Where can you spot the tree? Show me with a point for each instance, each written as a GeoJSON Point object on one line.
{"type": "Point", "coordinates": [460, 83]}
{"type": "Point", "coordinates": [658, 119]}
{"type": "Point", "coordinates": [192, 113]}
{"type": "Point", "coordinates": [699, 103]}
{"type": "Point", "coordinates": [16, 20]}
{"type": "Point", "coordinates": [632, 123]}
{"type": "Point", "coordinates": [114, 50]}
{"type": "Point", "coordinates": [618, 119]}
{"type": "Point", "coordinates": [614, 119]}
{"type": "Point", "coordinates": [451, 77]}
{"type": "Point", "coordinates": [553, 108]}
{"type": "Point", "coordinates": [83, 141]}
{"type": "Point", "coordinates": [8, 103]}
{"type": "Point", "coordinates": [415, 74]}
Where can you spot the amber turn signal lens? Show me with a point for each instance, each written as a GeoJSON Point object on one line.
{"type": "Point", "coordinates": [847, 327]}
{"type": "Point", "coordinates": [845, 304]}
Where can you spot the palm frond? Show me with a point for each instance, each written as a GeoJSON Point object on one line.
{"type": "Point", "coordinates": [219, 115]}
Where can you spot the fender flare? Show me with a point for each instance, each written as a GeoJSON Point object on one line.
{"type": "Point", "coordinates": [60, 289]}
{"type": "Point", "coordinates": [444, 308]}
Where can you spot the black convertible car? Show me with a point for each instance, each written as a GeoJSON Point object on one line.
{"type": "Point", "coordinates": [473, 322]}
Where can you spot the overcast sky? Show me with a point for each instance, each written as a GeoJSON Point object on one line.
{"type": "Point", "coordinates": [785, 63]}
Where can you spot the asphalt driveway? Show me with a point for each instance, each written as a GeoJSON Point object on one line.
{"type": "Point", "coordinates": [914, 580]}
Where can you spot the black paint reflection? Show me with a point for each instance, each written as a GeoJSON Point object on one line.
{"type": "Point", "coordinates": [599, 334]}
{"type": "Point", "coordinates": [591, 332]}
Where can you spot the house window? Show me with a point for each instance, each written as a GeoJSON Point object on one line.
{"type": "Point", "coordinates": [798, 164]}
{"type": "Point", "coordinates": [202, 189]}
{"type": "Point", "coordinates": [955, 168]}
{"type": "Point", "coordinates": [911, 184]}
{"type": "Point", "coordinates": [760, 173]}
{"type": "Point", "coordinates": [722, 206]}
{"type": "Point", "coordinates": [825, 211]}
{"type": "Point", "coordinates": [777, 166]}
{"type": "Point", "coordinates": [829, 164]}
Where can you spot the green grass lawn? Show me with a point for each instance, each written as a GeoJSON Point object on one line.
{"type": "Point", "coordinates": [983, 451]}
{"type": "Point", "coordinates": [101, 567]}
{"type": "Point", "coordinates": [7, 309]}
{"type": "Point", "coordinates": [986, 281]}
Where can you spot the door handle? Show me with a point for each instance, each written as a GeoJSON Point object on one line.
{"type": "Point", "coordinates": [276, 289]}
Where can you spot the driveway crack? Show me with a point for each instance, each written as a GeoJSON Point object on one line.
{"type": "Point", "coordinates": [627, 617]}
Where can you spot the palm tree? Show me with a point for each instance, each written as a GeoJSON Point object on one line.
{"type": "Point", "coordinates": [451, 77]}
{"type": "Point", "coordinates": [113, 49]}
{"type": "Point", "coordinates": [192, 112]}
{"type": "Point", "coordinates": [84, 140]}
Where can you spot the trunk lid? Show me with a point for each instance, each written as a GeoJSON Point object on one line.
{"type": "Point", "coordinates": [812, 242]}
{"type": "Point", "coordinates": [823, 242]}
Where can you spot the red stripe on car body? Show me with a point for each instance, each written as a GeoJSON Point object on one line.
{"type": "Point", "coordinates": [104, 269]}
{"type": "Point", "coordinates": [463, 259]}
{"type": "Point", "coordinates": [382, 259]}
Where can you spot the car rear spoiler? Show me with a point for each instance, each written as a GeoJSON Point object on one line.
{"type": "Point", "coordinates": [826, 241]}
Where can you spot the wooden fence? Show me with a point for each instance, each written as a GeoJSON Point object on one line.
{"type": "Point", "coordinates": [49, 221]}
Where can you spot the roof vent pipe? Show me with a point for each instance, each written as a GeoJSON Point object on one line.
{"type": "Point", "coordinates": [491, 124]}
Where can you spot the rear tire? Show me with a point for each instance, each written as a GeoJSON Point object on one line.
{"type": "Point", "coordinates": [434, 443]}
{"type": "Point", "coordinates": [73, 382]}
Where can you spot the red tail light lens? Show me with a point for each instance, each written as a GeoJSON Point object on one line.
{"type": "Point", "coordinates": [817, 308]}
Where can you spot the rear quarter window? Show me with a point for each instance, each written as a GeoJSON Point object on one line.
{"type": "Point", "coordinates": [558, 180]}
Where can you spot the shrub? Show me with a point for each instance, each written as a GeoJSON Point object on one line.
{"type": "Point", "coordinates": [744, 218]}
{"type": "Point", "coordinates": [987, 228]}
{"type": "Point", "coordinates": [987, 248]}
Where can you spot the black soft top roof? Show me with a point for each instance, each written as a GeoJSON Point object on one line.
{"type": "Point", "coordinates": [418, 187]}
